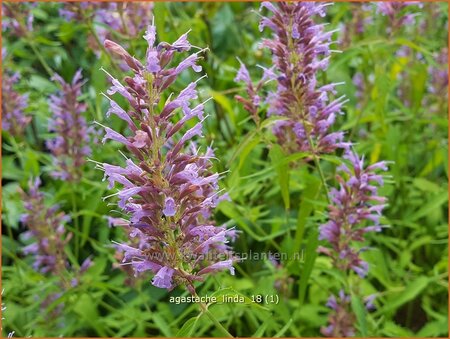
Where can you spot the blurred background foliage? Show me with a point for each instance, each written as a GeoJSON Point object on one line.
{"type": "Point", "coordinates": [276, 201]}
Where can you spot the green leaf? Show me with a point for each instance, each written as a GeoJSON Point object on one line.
{"type": "Point", "coordinates": [436, 202]}
{"type": "Point", "coordinates": [284, 329]}
{"type": "Point", "coordinates": [282, 168]}
{"type": "Point", "coordinates": [310, 258]}
{"type": "Point", "coordinates": [31, 165]}
{"type": "Point", "coordinates": [360, 312]}
{"type": "Point", "coordinates": [9, 169]}
{"type": "Point", "coordinates": [41, 84]}
{"type": "Point", "coordinates": [188, 328]}
{"type": "Point", "coordinates": [225, 103]}
{"type": "Point", "coordinates": [306, 207]}
{"type": "Point", "coordinates": [262, 328]}
{"type": "Point", "coordinates": [434, 329]}
{"type": "Point", "coordinates": [162, 324]}
{"type": "Point", "coordinates": [409, 293]}
{"type": "Point", "coordinates": [244, 148]}
{"type": "Point", "coordinates": [87, 310]}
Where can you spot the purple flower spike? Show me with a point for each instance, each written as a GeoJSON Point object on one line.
{"type": "Point", "coordinates": [48, 236]}
{"type": "Point", "coordinates": [354, 205]}
{"type": "Point", "coordinates": [127, 18]}
{"type": "Point", "coordinates": [355, 202]}
{"type": "Point", "coordinates": [300, 50]}
{"type": "Point", "coordinates": [13, 105]}
{"type": "Point", "coordinates": [395, 12]}
{"type": "Point", "coordinates": [168, 189]}
{"type": "Point", "coordinates": [70, 147]}
{"type": "Point", "coordinates": [439, 75]}
{"type": "Point", "coordinates": [46, 228]}
{"type": "Point", "coordinates": [17, 18]}
{"type": "Point", "coordinates": [342, 320]}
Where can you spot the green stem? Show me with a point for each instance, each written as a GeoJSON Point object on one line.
{"type": "Point", "coordinates": [17, 151]}
{"type": "Point", "coordinates": [319, 168]}
{"type": "Point", "coordinates": [75, 220]}
{"type": "Point", "coordinates": [30, 41]}
{"type": "Point", "coordinates": [40, 57]}
{"type": "Point", "coordinates": [216, 322]}
{"type": "Point", "coordinates": [212, 318]}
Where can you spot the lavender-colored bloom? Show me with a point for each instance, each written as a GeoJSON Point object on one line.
{"type": "Point", "coordinates": [436, 98]}
{"type": "Point", "coordinates": [300, 50]}
{"type": "Point", "coordinates": [397, 13]}
{"type": "Point", "coordinates": [17, 18]}
{"type": "Point", "coordinates": [355, 210]}
{"type": "Point", "coordinates": [127, 18]}
{"type": "Point", "coordinates": [354, 203]}
{"type": "Point", "coordinates": [48, 236]}
{"type": "Point", "coordinates": [439, 75]}
{"type": "Point", "coordinates": [72, 136]}
{"type": "Point", "coordinates": [253, 103]}
{"type": "Point", "coordinates": [13, 105]}
{"type": "Point", "coordinates": [163, 279]}
{"type": "Point", "coordinates": [168, 189]}
{"type": "Point", "coordinates": [355, 27]}
{"type": "Point", "coordinates": [342, 320]}
{"type": "Point", "coordinates": [46, 229]}
{"type": "Point", "coordinates": [369, 302]}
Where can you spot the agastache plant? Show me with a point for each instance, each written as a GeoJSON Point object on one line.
{"type": "Point", "coordinates": [354, 29]}
{"type": "Point", "coordinates": [17, 18]}
{"type": "Point", "coordinates": [168, 189]}
{"type": "Point", "coordinates": [70, 147]}
{"type": "Point", "coordinates": [14, 119]}
{"type": "Point", "coordinates": [300, 49]}
{"type": "Point", "coordinates": [397, 13]}
{"type": "Point", "coordinates": [128, 19]}
{"type": "Point", "coordinates": [438, 73]}
{"type": "Point", "coordinates": [48, 235]}
{"type": "Point", "coordinates": [47, 231]}
{"type": "Point", "coordinates": [125, 18]}
{"type": "Point", "coordinates": [355, 210]}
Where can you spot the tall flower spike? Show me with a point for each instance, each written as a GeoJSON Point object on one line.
{"type": "Point", "coordinates": [354, 28]}
{"type": "Point", "coordinates": [168, 190]}
{"type": "Point", "coordinates": [396, 13]}
{"type": "Point", "coordinates": [126, 18]}
{"type": "Point", "coordinates": [354, 203]}
{"type": "Point", "coordinates": [71, 144]}
{"type": "Point", "coordinates": [13, 105]}
{"type": "Point", "coordinates": [355, 210]}
{"type": "Point", "coordinates": [300, 49]}
{"type": "Point", "coordinates": [17, 18]}
{"type": "Point", "coordinates": [341, 322]}
{"type": "Point", "coordinates": [253, 102]}
{"type": "Point", "coordinates": [46, 228]}
{"type": "Point", "coordinates": [439, 75]}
